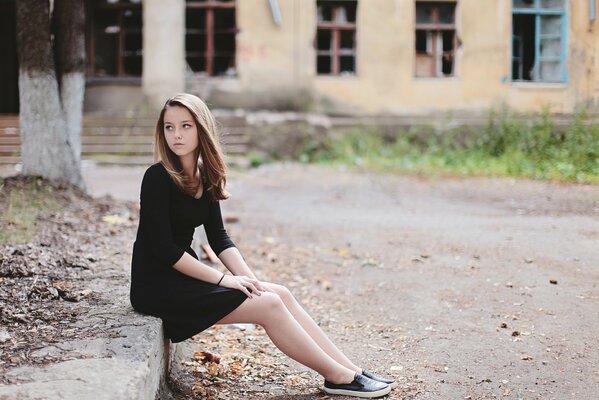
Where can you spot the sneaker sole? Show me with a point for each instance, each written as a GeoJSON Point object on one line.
{"type": "Point", "coordinates": [353, 393]}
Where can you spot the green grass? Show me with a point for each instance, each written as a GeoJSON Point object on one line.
{"type": "Point", "coordinates": [21, 206]}
{"type": "Point", "coordinates": [527, 146]}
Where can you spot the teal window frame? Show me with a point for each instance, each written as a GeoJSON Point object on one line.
{"type": "Point", "coordinates": [538, 11]}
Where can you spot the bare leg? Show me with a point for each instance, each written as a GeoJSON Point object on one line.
{"type": "Point", "coordinates": [315, 332]}
{"type": "Point", "coordinates": [288, 335]}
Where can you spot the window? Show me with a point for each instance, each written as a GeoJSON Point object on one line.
{"type": "Point", "coordinates": [436, 39]}
{"type": "Point", "coordinates": [538, 40]}
{"type": "Point", "coordinates": [336, 37]}
{"type": "Point", "coordinates": [210, 30]}
{"type": "Point", "coordinates": [114, 38]}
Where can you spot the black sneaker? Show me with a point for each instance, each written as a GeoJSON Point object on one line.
{"type": "Point", "coordinates": [389, 381]}
{"type": "Point", "coordinates": [361, 386]}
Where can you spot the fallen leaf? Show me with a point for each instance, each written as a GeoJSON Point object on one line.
{"type": "Point", "coordinates": [114, 219]}
{"type": "Point", "coordinates": [231, 218]}
{"type": "Point", "coordinates": [343, 252]}
{"type": "Point", "coordinates": [205, 356]}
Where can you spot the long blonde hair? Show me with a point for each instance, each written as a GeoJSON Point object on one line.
{"type": "Point", "coordinates": [209, 158]}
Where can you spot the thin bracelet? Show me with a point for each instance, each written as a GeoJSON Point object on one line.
{"type": "Point", "coordinates": [221, 279]}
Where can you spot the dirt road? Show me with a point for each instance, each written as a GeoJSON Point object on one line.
{"type": "Point", "coordinates": [476, 287]}
{"type": "Point", "coordinates": [472, 288]}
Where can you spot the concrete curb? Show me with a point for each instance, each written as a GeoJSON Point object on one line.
{"type": "Point", "coordinates": [131, 366]}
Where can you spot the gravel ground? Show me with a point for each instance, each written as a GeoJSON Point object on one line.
{"type": "Point", "coordinates": [476, 288]}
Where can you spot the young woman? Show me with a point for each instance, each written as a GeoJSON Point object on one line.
{"type": "Point", "coordinates": [182, 191]}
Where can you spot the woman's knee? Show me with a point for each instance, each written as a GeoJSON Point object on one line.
{"type": "Point", "coordinates": [269, 307]}
{"type": "Point", "coordinates": [270, 300]}
{"type": "Point", "coordinates": [283, 292]}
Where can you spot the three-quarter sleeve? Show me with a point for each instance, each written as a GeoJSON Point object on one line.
{"type": "Point", "coordinates": [215, 231]}
{"type": "Point", "coordinates": [155, 216]}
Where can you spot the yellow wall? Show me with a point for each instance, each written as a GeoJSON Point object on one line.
{"type": "Point", "coordinates": [276, 65]}
{"type": "Point", "coordinates": [269, 57]}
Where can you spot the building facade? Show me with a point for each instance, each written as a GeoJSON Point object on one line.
{"type": "Point", "coordinates": [370, 57]}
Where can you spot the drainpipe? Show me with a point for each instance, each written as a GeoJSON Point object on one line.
{"type": "Point", "coordinates": [592, 10]}
{"type": "Point", "coordinates": [275, 11]}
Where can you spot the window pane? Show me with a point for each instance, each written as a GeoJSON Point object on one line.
{"type": "Point", "coordinates": [195, 39]}
{"type": "Point", "coordinates": [224, 18]}
{"type": "Point", "coordinates": [223, 65]}
{"type": "Point", "coordinates": [324, 12]}
{"type": "Point", "coordinates": [424, 13]}
{"type": "Point", "coordinates": [348, 39]}
{"type": "Point", "coordinates": [551, 25]}
{"type": "Point", "coordinates": [516, 70]}
{"type": "Point", "coordinates": [550, 71]}
{"type": "Point", "coordinates": [336, 11]}
{"type": "Point", "coordinates": [323, 65]}
{"type": "Point", "coordinates": [523, 37]}
{"type": "Point", "coordinates": [224, 43]}
{"type": "Point", "coordinates": [193, 42]}
{"type": "Point", "coordinates": [196, 63]}
{"type": "Point", "coordinates": [323, 39]}
{"type": "Point", "coordinates": [195, 51]}
{"type": "Point", "coordinates": [350, 10]}
{"type": "Point", "coordinates": [195, 19]}
{"type": "Point", "coordinates": [132, 19]}
{"type": "Point", "coordinates": [523, 3]}
{"type": "Point", "coordinates": [447, 13]}
{"type": "Point", "coordinates": [133, 42]}
{"type": "Point", "coordinates": [106, 39]}
{"type": "Point", "coordinates": [340, 15]}
{"type": "Point", "coordinates": [551, 47]}
{"type": "Point", "coordinates": [425, 65]}
{"type": "Point", "coordinates": [422, 42]}
{"type": "Point", "coordinates": [553, 4]}
{"type": "Point", "coordinates": [347, 64]}
{"type": "Point", "coordinates": [447, 56]}
{"type": "Point", "coordinates": [132, 65]}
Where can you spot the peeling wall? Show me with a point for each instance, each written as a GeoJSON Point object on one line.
{"type": "Point", "coordinates": [276, 64]}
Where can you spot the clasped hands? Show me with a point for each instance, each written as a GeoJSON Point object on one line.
{"type": "Point", "coordinates": [246, 284]}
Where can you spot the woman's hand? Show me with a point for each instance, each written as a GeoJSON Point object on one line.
{"type": "Point", "coordinates": [244, 283]}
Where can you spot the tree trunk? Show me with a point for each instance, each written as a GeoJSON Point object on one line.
{"type": "Point", "coordinates": [69, 50]}
{"type": "Point", "coordinates": [46, 147]}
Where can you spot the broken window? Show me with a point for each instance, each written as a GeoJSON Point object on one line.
{"type": "Point", "coordinates": [114, 38]}
{"type": "Point", "coordinates": [538, 40]}
{"type": "Point", "coordinates": [210, 30]}
{"type": "Point", "coordinates": [436, 39]}
{"type": "Point", "coordinates": [336, 37]}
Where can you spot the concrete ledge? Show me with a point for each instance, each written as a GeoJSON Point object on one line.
{"type": "Point", "coordinates": [131, 366]}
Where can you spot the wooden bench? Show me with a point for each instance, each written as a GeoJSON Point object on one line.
{"type": "Point", "coordinates": [118, 140]}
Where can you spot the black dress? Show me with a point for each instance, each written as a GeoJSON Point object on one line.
{"type": "Point", "coordinates": [167, 219]}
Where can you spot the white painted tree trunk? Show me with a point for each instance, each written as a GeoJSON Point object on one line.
{"type": "Point", "coordinates": [72, 93]}
{"type": "Point", "coordinates": [50, 116]}
{"type": "Point", "coordinates": [46, 147]}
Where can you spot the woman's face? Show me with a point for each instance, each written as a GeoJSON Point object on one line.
{"type": "Point", "coordinates": [180, 131]}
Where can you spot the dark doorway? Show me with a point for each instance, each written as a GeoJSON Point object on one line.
{"type": "Point", "coordinates": [9, 67]}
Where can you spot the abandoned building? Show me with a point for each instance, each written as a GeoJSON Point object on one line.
{"type": "Point", "coordinates": [367, 57]}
